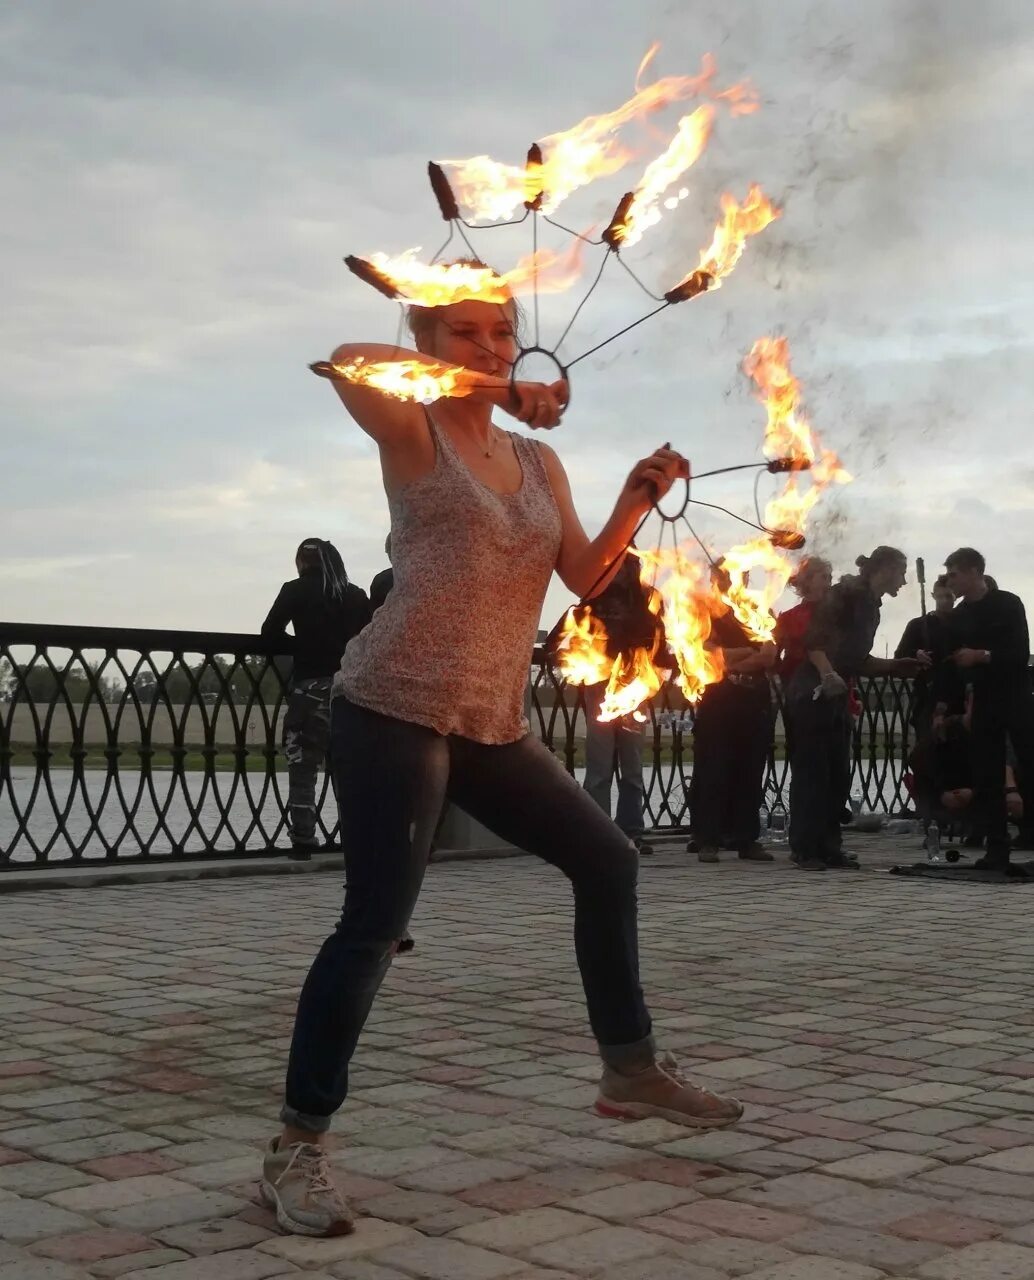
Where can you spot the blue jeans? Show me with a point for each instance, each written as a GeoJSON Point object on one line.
{"type": "Point", "coordinates": [404, 774]}
{"type": "Point", "coordinates": [612, 746]}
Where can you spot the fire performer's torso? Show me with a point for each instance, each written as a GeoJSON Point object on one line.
{"type": "Point", "coordinates": [451, 646]}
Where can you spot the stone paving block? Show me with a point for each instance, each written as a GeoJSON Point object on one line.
{"type": "Point", "coordinates": [152, 1215]}
{"type": "Point", "coordinates": [519, 1231]}
{"type": "Point", "coordinates": [392, 1163]}
{"type": "Point", "coordinates": [107, 1144]}
{"type": "Point", "coordinates": [869, 1248]}
{"type": "Point", "coordinates": [586, 1253]}
{"type": "Point", "coordinates": [794, 1191]}
{"type": "Point", "coordinates": [201, 1238]}
{"type": "Point", "coordinates": [444, 1259]}
{"type": "Point", "coordinates": [713, 1146]}
{"type": "Point", "coordinates": [992, 1260]}
{"type": "Point", "coordinates": [738, 1218]}
{"type": "Point", "coordinates": [1018, 1159]}
{"type": "Point", "coordinates": [235, 1265]}
{"type": "Point", "coordinates": [37, 1177]}
{"type": "Point", "coordinates": [944, 1227]}
{"type": "Point", "coordinates": [880, 1166]}
{"type": "Point", "coordinates": [738, 1256]}
{"type": "Point", "coordinates": [659, 1268]}
{"type": "Point", "coordinates": [39, 1269]}
{"type": "Point", "coordinates": [225, 1173]}
{"type": "Point", "coordinates": [130, 1166]}
{"type": "Point", "coordinates": [357, 1269]}
{"type": "Point", "coordinates": [1005, 1210]}
{"type": "Point", "coordinates": [459, 1175]}
{"type": "Point", "coordinates": [450, 1221]}
{"type": "Point", "coordinates": [932, 1120]}
{"type": "Point", "coordinates": [630, 1200]}
{"type": "Point", "coordinates": [930, 1093]}
{"type": "Point", "coordinates": [22, 1221]}
{"type": "Point", "coordinates": [87, 1247]}
{"type": "Point", "coordinates": [875, 1207]}
{"type": "Point", "coordinates": [817, 1268]}
{"type": "Point", "coordinates": [113, 1195]}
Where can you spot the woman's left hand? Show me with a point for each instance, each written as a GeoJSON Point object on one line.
{"type": "Point", "coordinates": [652, 477]}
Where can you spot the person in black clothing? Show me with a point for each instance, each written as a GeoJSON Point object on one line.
{"type": "Point", "coordinates": [927, 635]}
{"type": "Point", "coordinates": [384, 582]}
{"type": "Point", "coordinates": [839, 647]}
{"type": "Point", "coordinates": [326, 611]}
{"type": "Point", "coordinates": [732, 733]}
{"type": "Point", "coordinates": [989, 644]}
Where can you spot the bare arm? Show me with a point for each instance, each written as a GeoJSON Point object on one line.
{"type": "Point", "coordinates": [586, 564]}
{"type": "Point", "coordinates": [394, 422]}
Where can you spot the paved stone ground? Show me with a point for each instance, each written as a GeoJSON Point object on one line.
{"type": "Point", "coordinates": [881, 1032]}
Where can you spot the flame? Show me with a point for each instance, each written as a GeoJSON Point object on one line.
{"type": "Point", "coordinates": [581, 649]}
{"type": "Point", "coordinates": [788, 434]}
{"type": "Point", "coordinates": [684, 150]}
{"type": "Point", "coordinates": [582, 658]}
{"type": "Point", "coordinates": [738, 223]}
{"type": "Point", "coordinates": [406, 379]}
{"type": "Point", "coordinates": [438, 284]}
{"type": "Point", "coordinates": [752, 605]}
{"type": "Point", "coordinates": [687, 610]}
{"type": "Point", "coordinates": [493, 191]}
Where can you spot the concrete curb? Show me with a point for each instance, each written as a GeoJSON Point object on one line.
{"type": "Point", "coordinates": [277, 864]}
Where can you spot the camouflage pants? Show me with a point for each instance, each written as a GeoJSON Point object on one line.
{"type": "Point", "coordinates": [306, 735]}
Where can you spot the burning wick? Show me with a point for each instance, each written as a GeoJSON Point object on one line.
{"type": "Point", "coordinates": [786, 539]}
{"type": "Point", "coordinates": [778, 465]}
{"type": "Point", "coordinates": [694, 285]}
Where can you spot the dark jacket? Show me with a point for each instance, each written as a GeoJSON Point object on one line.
{"type": "Point", "coordinates": [997, 623]}
{"type": "Point", "coordinates": [381, 587]}
{"type": "Point", "coordinates": [322, 627]}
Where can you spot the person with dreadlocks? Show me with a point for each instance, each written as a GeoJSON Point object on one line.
{"type": "Point", "coordinates": [838, 644]}
{"type": "Point", "coordinates": [326, 611]}
{"type": "Point", "coordinates": [428, 707]}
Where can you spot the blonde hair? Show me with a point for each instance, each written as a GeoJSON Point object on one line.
{"type": "Point", "coordinates": [805, 569]}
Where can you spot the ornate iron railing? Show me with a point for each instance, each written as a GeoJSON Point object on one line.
{"type": "Point", "coordinates": [151, 745]}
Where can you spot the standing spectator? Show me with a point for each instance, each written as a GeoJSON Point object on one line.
{"type": "Point", "coordinates": [927, 634]}
{"type": "Point", "coordinates": [732, 733]}
{"type": "Point", "coordinates": [617, 745]}
{"type": "Point", "coordinates": [839, 648]}
{"type": "Point", "coordinates": [383, 582]}
{"type": "Point", "coordinates": [812, 582]}
{"type": "Point", "coordinates": [989, 644]}
{"type": "Point", "coordinates": [326, 611]}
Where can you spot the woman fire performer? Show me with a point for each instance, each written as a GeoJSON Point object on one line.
{"type": "Point", "coordinates": [428, 708]}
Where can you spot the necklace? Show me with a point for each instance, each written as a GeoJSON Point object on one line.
{"type": "Point", "coordinates": [493, 439]}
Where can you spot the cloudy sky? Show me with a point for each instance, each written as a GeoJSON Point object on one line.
{"type": "Point", "coordinates": [180, 182]}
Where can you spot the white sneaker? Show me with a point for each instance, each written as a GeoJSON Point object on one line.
{"type": "Point", "coordinates": [298, 1183]}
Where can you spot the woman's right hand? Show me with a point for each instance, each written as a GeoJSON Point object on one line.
{"type": "Point", "coordinates": [537, 404]}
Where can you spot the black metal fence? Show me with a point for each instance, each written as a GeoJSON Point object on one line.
{"type": "Point", "coordinates": [147, 745]}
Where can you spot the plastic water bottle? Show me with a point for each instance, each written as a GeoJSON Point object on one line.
{"type": "Point", "coordinates": [933, 843]}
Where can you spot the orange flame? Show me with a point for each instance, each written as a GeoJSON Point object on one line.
{"type": "Point", "coordinates": [738, 224]}
{"type": "Point", "coordinates": [437, 284]}
{"type": "Point", "coordinates": [788, 434]}
{"type": "Point", "coordinates": [493, 191]}
{"type": "Point", "coordinates": [687, 619]}
{"type": "Point", "coordinates": [406, 379]}
{"type": "Point", "coordinates": [581, 649]}
{"type": "Point", "coordinates": [684, 150]}
{"type": "Point", "coordinates": [752, 606]}
{"type": "Point", "coordinates": [582, 658]}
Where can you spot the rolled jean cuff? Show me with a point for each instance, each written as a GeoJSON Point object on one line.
{"type": "Point", "coordinates": [300, 1120]}
{"type": "Point", "coordinates": [640, 1053]}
